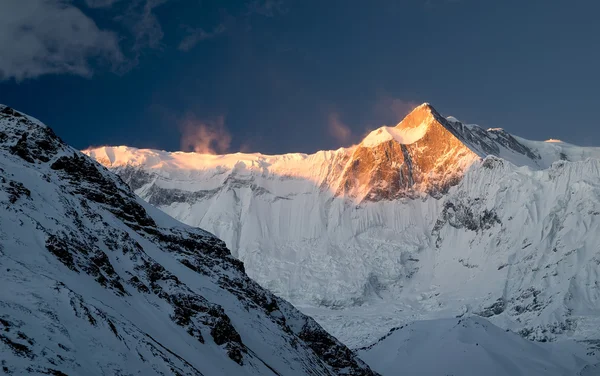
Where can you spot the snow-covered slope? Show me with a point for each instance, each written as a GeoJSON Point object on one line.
{"type": "Point", "coordinates": [472, 346]}
{"type": "Point", "coordinates": [382, 233]}
{"type": "Point", "coordinates": [95, 281]}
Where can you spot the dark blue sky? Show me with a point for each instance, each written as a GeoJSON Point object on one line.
{"type": "Point", "coordinates": [292, 75]}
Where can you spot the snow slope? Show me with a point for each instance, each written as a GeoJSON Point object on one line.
{"type": "Point", "coordinates": [472, 346]}
{"type": "Point", "coordinates": [375, 236]}
{"type": "Point", "coordinates": [403, 136]}
{"type": "Point", "coordinates": [97, 282]}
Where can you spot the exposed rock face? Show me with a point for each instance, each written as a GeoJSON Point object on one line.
{"type": "Point", "coordinates": [425, 154]}
{"type": "Point", "coordinates": [391, 169]}
{"type": "Point", "coordinates": [96, 280]}
{"type": "Point", "coordinates": [340, 233]}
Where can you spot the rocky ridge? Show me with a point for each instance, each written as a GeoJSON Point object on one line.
{"type": "Point", "coordinates": [96, 281]}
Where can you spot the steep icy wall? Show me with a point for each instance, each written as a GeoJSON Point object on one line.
{"type": "Point", "coordinates": [418, 220]}
{"type": "Point", "coordinates": [524, 246]}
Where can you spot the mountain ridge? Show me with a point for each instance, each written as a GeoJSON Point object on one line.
{"type": "Point", "coordinates": [383, 166]}
{"type": "Point", "coordinates": [96, 281]}
{"type": "Point", "coordinates": [483, 244]}
{"type": "Point", "coordinates": [481, 142]}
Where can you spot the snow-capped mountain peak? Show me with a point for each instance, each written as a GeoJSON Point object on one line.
{"type": "Point", "coordinates": [459, 219]}
{"type": "Point", "coordinates": [96, 281]}
{"type": "Point", "coordinates": [422, 154]}
{"type": "Point", "coordinates": [410, 130]}
{"type": "Point", "coordinates": [425, 154]}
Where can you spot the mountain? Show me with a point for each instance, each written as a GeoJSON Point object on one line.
{"type": "Point", "coordinates": [432, 218]}
{"type": "Point", "coordinates": [472, 346]}
{"type": "Point", "coordinates": [97, 282]}
{"type": "Point", "coordinates": [419, 155]}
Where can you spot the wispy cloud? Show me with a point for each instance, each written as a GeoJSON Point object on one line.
{"type": "Point", "coordinates": [143, 23]}
{"type": "Point", "coordinates": [390, 111]}
{"type": "Point", "coordinates": [206, 137]}
{"type": "Point", "coordinates": [139, 17]}
{"type": "Point", "coordinates": [40, 37]}
{"type": "Point", "coordinates": [386, 110]}
{"type": "Point", "coordinates": [338, 130]}
{"type": "Point", "coordinates": [196, 35]}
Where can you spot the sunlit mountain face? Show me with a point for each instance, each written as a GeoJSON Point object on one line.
{"type": "Point", "coordinates": [431, 218]}
{"type": "Point", "coordinates": [299, 188]}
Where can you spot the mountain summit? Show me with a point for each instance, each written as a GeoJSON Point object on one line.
{"type": "Point", "coordinates": [422, 154]}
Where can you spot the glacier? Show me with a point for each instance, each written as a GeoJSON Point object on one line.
{"type": "Point", "coordinates": [460, 221]}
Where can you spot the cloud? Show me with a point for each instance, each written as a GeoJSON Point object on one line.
{"type": "Point", "coordinates": [139, 17]}
{"type": "Point", "coordinates": [390, 111]}
{"type": "Point", "coordinates": [400, 108]}
{"type": "Point", "coordinates": [340, 131]}
{"type": "Point", "coordinates": [386, 110]}
{"type": "Point", "coordinates": [141, 20]}
{"type": "Point", "coordinates": [195, 36]}
{"type": "Point", "coordinates": [206, 137]}
{"type": "Point", "coordinates": [40, 37]}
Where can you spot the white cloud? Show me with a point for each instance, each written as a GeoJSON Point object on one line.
{"type": "Point", "coordinates": [40, 37]}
